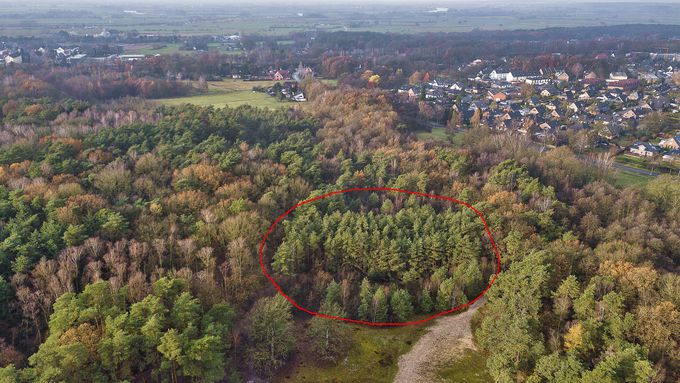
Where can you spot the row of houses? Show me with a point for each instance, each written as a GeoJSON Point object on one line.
{"type": "Point", "coordinates": [544, 103]}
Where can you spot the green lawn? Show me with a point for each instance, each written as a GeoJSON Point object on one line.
{"type": "Point", "coordinates": [435, 134]}
{"type": "Point", "coordinates": [373, 358]}
{"type": "Point", "coordinates": [230, 93]}
{"type": "Point", "coordinates": [622, 178]}
{"type": "Point", "coordinates": [632, 161]}
{"type": "Point", "coordinates": [469, 368]}
{"type": "Point", "coordinates": [439, 134]}
{"type": "Point", "coordinates": [235, 93]}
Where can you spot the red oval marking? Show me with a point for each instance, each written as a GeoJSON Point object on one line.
{"type": "Point", "coordinates": [380, 324]}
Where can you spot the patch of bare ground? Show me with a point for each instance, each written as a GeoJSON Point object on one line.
{"type": "Point", "coordinates": [444, 341]}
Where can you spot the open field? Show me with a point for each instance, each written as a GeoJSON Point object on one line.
{"type": "Point", "coordinates": [44, 18]}
{"type": "Point", "coordinates": [435, 134]}
{"type": "Point", "coordinates": [169, 49]}
{"type": "Point", "coordinates": [373, 358]}
{"type": "Point", "coordinates": [231, 93]}
{"type": "Point", "coordinates": [439, 134]}
{"type": "Point", "coordinates": [234, 93]}
{"type": "Point", "coordinates": [622, 178]}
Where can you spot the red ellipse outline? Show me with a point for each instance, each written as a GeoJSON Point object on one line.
{"type": "Point", "coordinates": [380, 324]}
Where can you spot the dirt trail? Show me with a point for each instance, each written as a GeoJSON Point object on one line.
{"type": "Point", "coordinates": [441, 344]}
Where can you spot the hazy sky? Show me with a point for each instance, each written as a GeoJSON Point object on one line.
{"type": "Point", "coordinates": [441, 3]}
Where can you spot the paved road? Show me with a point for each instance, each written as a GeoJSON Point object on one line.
{"type": "Point", "coordinates": [635, 170]}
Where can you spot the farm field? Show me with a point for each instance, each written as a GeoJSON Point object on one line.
{"type": "Point", "coordinates": [18, 20]}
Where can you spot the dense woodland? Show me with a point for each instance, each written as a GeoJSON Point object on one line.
{"type": "Point", "coordinates": [375, 253]}
{"type": "Point", "coordinates": [129, 237]}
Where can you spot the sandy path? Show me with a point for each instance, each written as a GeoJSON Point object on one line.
{"type": "Point", "coordinates": [444, 340]}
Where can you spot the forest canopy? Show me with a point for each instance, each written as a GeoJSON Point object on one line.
{"type": "Point", "coordinates": [422, 251]}
{"type": "Point", "coordinates": [129, 244]}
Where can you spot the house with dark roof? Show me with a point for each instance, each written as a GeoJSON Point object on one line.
{"type": "Point", "coordinates": [673, 155]}
{"type": "Point", "coordinates": [672, 143]}
{"type": "Point", "coordinates": [644, 149]}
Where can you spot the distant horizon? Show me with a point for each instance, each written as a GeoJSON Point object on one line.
{"type": "Point", "coordinates": [240, 3]}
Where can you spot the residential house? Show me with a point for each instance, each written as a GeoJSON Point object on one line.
{"type": "Point", "coordinates": [549, 91]}
{"type": "Point", "coordinates": [628, 114]}
{"type": "Point", "coordinates": [644, 149]}
{"type": "Point", "coordinates": [609, 131]}
{"type": "Point", "coordinates": [456, 86]}
{"type": "Point", "coordinates": [280, 75]}
{"type": "Point", "coordinates": [649, 77]}
{"type": "Point", "coordinates": [520, 76]}
{"type": "Point", "coordinates": [562, 77]}
{"type": "Point", "coordinates": [672, 143]}
{"type": "Point", "coordinates": [625, 85]}
{"type": "Point", "coordinates": [617, 76]}
{"type": "Point", "coordinates": [537, 80]}
{"type": "Point", "coordinates": [498, 97]}
{"type": "Point", "coordinates": [14, 58]}
{"type": "Point", "coordinates": [500, 74]}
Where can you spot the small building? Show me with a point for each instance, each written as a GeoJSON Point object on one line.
{"type": "Point", "coordinates": [76, 59]}
{"type": "Point", "coordinates": [672, 143]}
{"type": "Point", "coordinates": [280, 75]}
{"type": "Point", "coordinates": [498, 97]}
{"type": "Point", "coordinates": [131, 57]}
{"type": "Point", "coordinates": [500, 74]}
{"type": "Point", "coordinates": [644, 149]}
{"type": "Point", "coordinates": [537, 80]}
{"type": "Point", "coordinates": [617, 76]}
{"type": "Point", "coordinates": [562, 77]}
{"type": "Point", "coordinates": [14, 58]}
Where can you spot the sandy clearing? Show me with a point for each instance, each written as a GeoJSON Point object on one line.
{"type": "Point", "coordinates": [441, 344]}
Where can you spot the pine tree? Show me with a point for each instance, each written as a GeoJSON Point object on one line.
{"type": "Point", "coordinates": [426, 303]}
{"type": "Point", "coordinates": [402, 308]}
{"type": "Point", "coordinates": [332, 295]}
{"type": "Point", "coordinates": [365, 297]}
{"type": "Point", "coordinates": [379, 306]}
{"type": "Point", "coordinates": [445, 296]}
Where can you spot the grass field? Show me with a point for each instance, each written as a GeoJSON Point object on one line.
{"type": "Point", "coordinates": [235, 93]}
{"type": "Point", "coordinates": [439, 134]}
{"type": "Point", "coordinates": [373, 357]}
{"type": "Point", "coordinates": [230, 93]}
{"type": "Point", "coordinates": [622, 178]}
{"type": "Point", "coordinates": [632, 161]}
{"type": "Point", "coordinates": [170, 49]}
{"type": "Point", "coordinates": [435, 134]}
{"type": "Point", "coordinates": [44, 18]}
{"type": "Point", "coordinates": [469, 368]}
